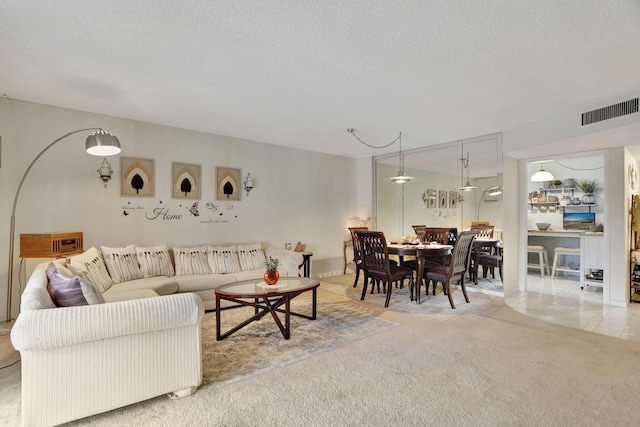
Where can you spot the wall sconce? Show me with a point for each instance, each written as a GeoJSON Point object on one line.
{"type": "Point", "coordinates": [249, 183]}
{"type": "Point", "coordinates": [105, 172]}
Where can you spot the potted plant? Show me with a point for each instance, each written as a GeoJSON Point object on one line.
{"type": "Point", "coordinates": [590, 188]}
{"type": "Point", "coordinates": [271, 276]}
{"type": "Point", "coordinates": [557, 184]}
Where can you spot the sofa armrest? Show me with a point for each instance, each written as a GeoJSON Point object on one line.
{"type": "Point", "coordinates": [289, 260]}
{"type": "Point", "coordinates": [37, 330]}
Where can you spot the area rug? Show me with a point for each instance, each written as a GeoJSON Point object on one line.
{"type": "Point", "coordinates": [436, 306]}
{"type": "Point", "coordinates": [260, 345]}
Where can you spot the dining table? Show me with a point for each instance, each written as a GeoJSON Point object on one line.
{"type": "Point", "coordinates": [421, 252]}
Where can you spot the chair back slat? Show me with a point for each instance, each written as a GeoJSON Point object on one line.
{"type": "Point", "coordinates": [442, 235]}
{"type": "Point", "coordinates": [462, 252]}
{"type": "Point", "coordinates": [375, 254]}
{"type": "Point", "coordinates": [357, 247]}
{"type": "Point", "coordinates": [484, 231]}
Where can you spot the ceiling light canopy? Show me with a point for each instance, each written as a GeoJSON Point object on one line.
{"type": "Point", "coordinates": [542, 175]}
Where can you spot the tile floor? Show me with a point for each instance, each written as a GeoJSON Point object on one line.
{"type": "Point", "coordinates": [561, 301]}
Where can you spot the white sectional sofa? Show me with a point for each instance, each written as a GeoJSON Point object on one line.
{"type": "Point", "coordinates": [132, 341]}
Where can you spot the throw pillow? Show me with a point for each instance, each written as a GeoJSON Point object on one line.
{"type": "Point", "coordinates": [90, 266]}
{"type": "Point", "coordinates": [54, 268]}
{"type": "Point", "coordinates": [251, 257]}
{"type": "Point", "coordinates": [191, 261]}
{"type": "Point", "coordinates": [122, 263]}
{"type": "Point", "coordinates": [71, 292]}
{"type": "Point", "coordinates": [155, 261]}
{"type": "Point", "coordinates": [223, 259]}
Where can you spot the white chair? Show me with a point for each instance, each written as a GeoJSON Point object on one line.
{"type": "Point", "coordinates": [543, 259]}
{"type": "Point", "coordinates": [561, 252]}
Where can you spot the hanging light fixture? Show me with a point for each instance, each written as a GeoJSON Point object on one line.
{"type": "Point", "coordinates": [401, 178]}
{"type": "Point", "coordinates": [542, 175]}
{"type": "Point", "coordinates": [465, 165]}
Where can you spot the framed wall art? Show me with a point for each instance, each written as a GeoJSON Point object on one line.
{"type": "Point", "coordinates": [443, 199]}
{"type": "Point", "coordinates": [432, 199]}
{"type": "Point", "coordinates": [228, 183]}
{"type": "Point", "coordinates": [137, 177]}
{"type": "Point", "coordinates": [186, 181]}
{"type": "Point", "coordinates": [453, 199]}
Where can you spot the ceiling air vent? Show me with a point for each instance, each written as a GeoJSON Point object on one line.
{"type": "Point", "coordinates": [606, 113]}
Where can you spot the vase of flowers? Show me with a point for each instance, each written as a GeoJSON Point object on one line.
{"type": "Point", "coordinates": [271, 275]}
{"type": "Point", "coordinates": [590, 188]}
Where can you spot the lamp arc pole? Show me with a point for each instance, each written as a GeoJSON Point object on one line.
{"type": "Point", "coordinates": [13, 215]}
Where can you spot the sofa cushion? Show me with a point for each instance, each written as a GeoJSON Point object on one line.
{"type": "Point", "coordinates": [191, 261]}
{"type": "Point", "coordinates": [155, 261]}
{"type": "Point", "coordinates": [71, 292]}
{"type": "Point", "coordinates": [162, 285]}
{"type": "Point", "coordinates": [251, 256]}
{"type": "Point", "coordinates": [122, 263]}
{"type": "Point", "coordinates": [223, 259]}
{"type": "Point", "coordinates": [204, 282]}
{"type": "Point", "coordinates": [90, 266]}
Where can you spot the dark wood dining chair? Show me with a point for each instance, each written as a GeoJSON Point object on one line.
{"type": "Point", "coordinates": [453, 271]}
{"type": "Point", "coordinates": [357, 257]}
{"type": "Point", "coordinates": [491, 261]}
{"type": "Point", "coordinates": [377, 266]}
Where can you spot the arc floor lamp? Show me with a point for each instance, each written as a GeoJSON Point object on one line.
{"type": "Point", "coordinates": [99, 143]}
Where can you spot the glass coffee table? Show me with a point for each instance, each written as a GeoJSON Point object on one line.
{"type": "Point", "coordinates": [265, 300]}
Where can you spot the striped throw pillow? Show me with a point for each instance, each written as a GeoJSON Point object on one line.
{"type": "Point", "coordinates": [223, 259]}
{"type": "Point", "coordinates": [122, 263]}
{"type": "Point", "coordinates": [251, 257]}
{"type": "Point", "coordinates": [90, 266]}
{"type": "Point", "coordinates": [191, 261]}
{"type": "Point", "coordinates": [155, 261]}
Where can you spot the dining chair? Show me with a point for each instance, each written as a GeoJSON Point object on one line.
{"type": "Point", "coordinates": [455, 269]}
{"type": "Point", "coordinates": [419, 229]}
{"type": "Point", "coordinates": [377, 266]}
{"type": "Point", "coordinates": [491, 261]}
{"type": "Point", "coordinates": [357, 257]}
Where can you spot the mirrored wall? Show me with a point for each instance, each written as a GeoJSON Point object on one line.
{"type": "Point", "coordinates": [436, 198]}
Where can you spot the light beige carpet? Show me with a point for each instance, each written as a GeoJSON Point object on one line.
{"type": "Point", "coordinates": [489, 366]}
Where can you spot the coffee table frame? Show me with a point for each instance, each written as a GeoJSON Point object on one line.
{"type": "Point", "coordinates": [264, 303]}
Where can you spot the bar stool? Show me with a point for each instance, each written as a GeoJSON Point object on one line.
{"type": "Point", "coordinates": [561, 251]}
{"type": "Point", "coordinates": [543, 258]}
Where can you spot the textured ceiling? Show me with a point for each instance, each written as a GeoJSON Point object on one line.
{"type": "Point", "coordinates": [298, 73]}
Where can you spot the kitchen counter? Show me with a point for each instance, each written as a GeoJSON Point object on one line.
{"type": "Point", "coordinates": [564, 233]}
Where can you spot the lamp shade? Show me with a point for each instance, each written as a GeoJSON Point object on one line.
{"type": "Point", "coordinates": [401, 178]}
{"type": "Point", "coordinates": [467, 187]}
{"type": "Point", "coordinates": [494, 191]}
{"type": "Point", "coordinates": [102, 143]}
{"type": "Point", "coordinates": [542, 176]}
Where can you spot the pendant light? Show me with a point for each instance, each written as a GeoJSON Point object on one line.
{"type": "Point", "coordinates": [401, 178]}
{"type": "Point", "coordinates": [465, 165]}
{"type": "Point", "coordinates": [542, 175]}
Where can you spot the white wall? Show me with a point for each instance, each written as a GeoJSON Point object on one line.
{"type": "Point", "coordinates": [298, 195]}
